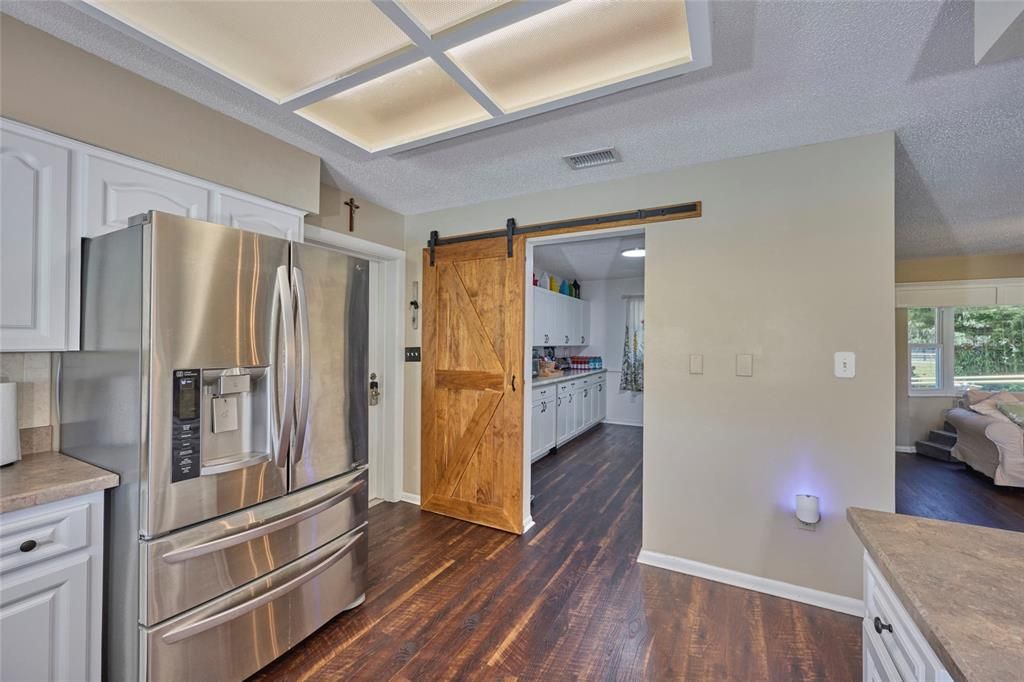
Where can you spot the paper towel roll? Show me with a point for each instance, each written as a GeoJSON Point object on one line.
{"type": "Point", "coordinates": [10, 444]}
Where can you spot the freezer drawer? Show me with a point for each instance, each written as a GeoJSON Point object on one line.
{"type": "Point", "coordinates": [235, 635]}
{"type": "Point", "coordinates": [194, 565]}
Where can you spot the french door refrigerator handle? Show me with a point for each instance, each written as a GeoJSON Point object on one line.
{"type": "Point", "coordinates": [271, 526]}
{"type": "Point", "coordinates": [304, 363]}
{"type": "Point", "coordinates": [192, 629]}
{"type": "Point", "coordinates": [281, 420]}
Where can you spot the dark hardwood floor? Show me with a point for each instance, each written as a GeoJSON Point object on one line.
{"type": "Point", "coordinates": [567, 600]}
{"type": "Point", "coordinates": [952, 492]}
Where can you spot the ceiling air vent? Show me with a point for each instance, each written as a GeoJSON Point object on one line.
{"type": "Point", "coordinates": [598, 157]}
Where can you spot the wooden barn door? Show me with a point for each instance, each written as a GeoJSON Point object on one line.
{"type": "Point", "coordinates": [472, 412]}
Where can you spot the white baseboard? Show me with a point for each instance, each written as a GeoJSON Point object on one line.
{"type": "Point", "coordinates": [909, 449]}
{"type": "Point", "coordinates": [806, 595]}
{"type": "Point", "coordinates": [616, 422]}
{"type": "Point", "coordinates": [410, 498]}
{"type": "Point", "coordinates": [528, 524]}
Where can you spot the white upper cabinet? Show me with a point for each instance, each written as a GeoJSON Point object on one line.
{"type": "Point", "coordinates": [559, 320]}
{"type": "Point", "coordinates": [39, 244]}
{"type": "Point", "coordinates": [249, 213]}
{"type": "Point", "coordinates": [56, 191]}
{"type": "Point", "coordinates": [118, 190]}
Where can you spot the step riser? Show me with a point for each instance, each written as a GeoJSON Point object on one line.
{"type": "Point", "coordinates": [934, 450]}
{"type": "Point", "coordinates": [943, 437]}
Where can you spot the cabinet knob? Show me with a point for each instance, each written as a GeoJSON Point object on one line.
{"type": "Point", "coordinates": [583, 339]}
{"type": "Point", "coordinates": [28, 545]}
{"type": "Point", "coordinates": [880, 626]}
{"type": "Point", "coordinates": [567, 338]}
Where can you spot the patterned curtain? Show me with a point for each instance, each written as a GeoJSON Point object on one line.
{"type": "Point", "coordinates": [633, 348]}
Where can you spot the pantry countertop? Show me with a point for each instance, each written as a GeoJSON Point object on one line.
{"type": "Point", "coordinates": [568, 376]}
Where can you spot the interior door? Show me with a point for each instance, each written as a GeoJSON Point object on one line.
{"type": "Point", "coordinates": [472, 411]}
{"type": "Point", "coordinates": [331, 292]}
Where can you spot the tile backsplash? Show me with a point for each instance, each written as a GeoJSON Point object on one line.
{"type": "Point", "coordinates": [33, 374]}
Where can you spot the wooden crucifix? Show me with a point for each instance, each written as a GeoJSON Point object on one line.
{"type": "Point", "coordinates": [352, 208]}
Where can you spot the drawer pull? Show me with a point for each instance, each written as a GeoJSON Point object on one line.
{"type": "Point", "coordinates": [28, 545]}
{"type": "Point", "coordinates": [880, 626]}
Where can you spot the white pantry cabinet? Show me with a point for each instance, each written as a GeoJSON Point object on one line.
{"type": "Point", "coordinates": [51, 590]}
{"type": "Point", "coordinates": [56, 191]}
{"type": "Point", "coordinates": [559, 320]}
{"type": "Point", "coordinates": [564, 409]}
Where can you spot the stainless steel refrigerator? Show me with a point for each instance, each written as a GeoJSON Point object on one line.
{"type": "Point", "coordinates": [223, 376]}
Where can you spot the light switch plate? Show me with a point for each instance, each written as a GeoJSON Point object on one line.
{"type": "Point", "coordinates": [745, 365]}
{"type": "Point", "coordinates": [845, 364]}
{"type": "Point", "coordinates": [696, 364]}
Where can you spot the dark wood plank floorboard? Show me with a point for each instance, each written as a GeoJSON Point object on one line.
{"type": "Point", "coordinates": [950, 491]}
{"type": "Point", "coordinates": [448, 600]}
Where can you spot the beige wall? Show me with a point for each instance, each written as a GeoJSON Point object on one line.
{"type": "Point", "coordinates": [792, 260]}
{"type": "Point", "coordinates": [374, 223]}
{"type": "Point", "coordinates": [52, 85]}
{"type": "Point", "coordinates": [990, 266]}
{"type": "Point", "coordinates": [33, 375]}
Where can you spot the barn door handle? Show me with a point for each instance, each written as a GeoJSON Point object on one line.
{"type": "Point", "coordinates": [513, 383]}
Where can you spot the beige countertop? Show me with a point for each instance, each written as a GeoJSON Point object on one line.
{"type": "Point", "coordinates": [963, 585]}
{"type": "Point", "coordinates": [47, 477]}
{"type": "Point", "coordinates": [568, 376]}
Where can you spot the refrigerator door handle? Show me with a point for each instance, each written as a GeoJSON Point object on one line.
{"type": "Point", "coordinates": [302, 412]}
{"type": "Point", "coordinates": [192, 629]}
{"type": "Point", "coordinates": [281, 419]}
{"type": "Point", "coordinates": [271, 526]}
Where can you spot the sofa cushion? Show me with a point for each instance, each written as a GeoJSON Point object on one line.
{"type": "Point", "coordinates": [1014, 411]}
{"type": "Point", "coordinates": [990, 406]}
{"type": "Point", "coordinates": [974, 395]}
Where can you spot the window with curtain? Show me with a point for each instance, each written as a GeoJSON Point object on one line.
{"type": "Point", "coordinates": [633, 347]}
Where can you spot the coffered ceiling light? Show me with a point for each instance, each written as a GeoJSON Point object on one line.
{"type": "Point", "coordinates": [274, 48]}
{"type": "Point", "coordinates": [575, 47]}
{"type": "Point", "coordinates": [635, 253]}
{"type": "Point", "coordinates": [413, 102]}
{"type": "Point", "coordinates": [436, 16]}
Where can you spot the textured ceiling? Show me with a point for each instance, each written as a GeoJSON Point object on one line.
{"type": "Point", "coordinates": [784, 74]}
{"type": "Point", "coordinates": [590, 259]}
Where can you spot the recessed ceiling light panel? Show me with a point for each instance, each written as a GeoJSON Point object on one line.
{"type": "Point", "coordinates": [436, 16]}
{"type": "Point", "coordinates": [274, 48]}
{"type": "Point", "coordinates": [635, 253]}
{"type": "Point", "coordinates": [411, 103]}
{"type": "Point", "coordinates": [575, 47]}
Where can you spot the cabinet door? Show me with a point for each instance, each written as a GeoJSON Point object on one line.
{"type": "Point", "coordinates": [601, 402]}
{"type": "Point", "coordinates": [560, 328]}
{"type": "Point", "coordinates": [584, 321]}
{"type": "Point", "coordinates": [44, 627]}
{"type": "Point", "coordinates": [257, 216]}
{"type": "Point", "coordinates": [38, 245]}
{"type": "Point", "coordinates": [535, 429]}
{"type": "Point", "coordinates": [563, 418]}
{"type": "Point", "coordinates": [578, 411]}
{"type": "Point", "coordinates": [115, 191]}
{"type": "Point", "coordinates": [541, 317]}
{"type": "Point", "coordinates": [548, 425]}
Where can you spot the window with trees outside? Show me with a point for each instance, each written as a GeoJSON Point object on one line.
{"type": "Point", "coordinates": [953, 349]}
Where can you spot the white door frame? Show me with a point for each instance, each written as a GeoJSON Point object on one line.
{"type": "Point", "coordinates": [387, 323]}
{"type": "Point", "coordinates": [531, 242]}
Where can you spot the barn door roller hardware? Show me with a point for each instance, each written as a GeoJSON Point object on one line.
{"type": "Point", "coordinates": [692, 209]}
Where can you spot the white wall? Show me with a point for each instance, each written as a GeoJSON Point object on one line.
{"type": "Point", "coordinates": [607, 325]}
{"type": "Point", "coordinates": [792, 260]}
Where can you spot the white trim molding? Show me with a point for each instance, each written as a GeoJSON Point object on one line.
{"type": "Point", "coordinates": [528, 523]}
{"type": "Point", "coordinates": [906, 449]}
{"type": "Point", "coordinates": [959, 293]}
{"type": "Point", "coordinates": [619, 422]}
{"type": "Point", "coordinates": [777, 588]}
{"type": "Point", "coordinates": [411, 498]}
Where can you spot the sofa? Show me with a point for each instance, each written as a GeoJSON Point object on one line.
{"type": "Point", "coordinates": [990, 445]}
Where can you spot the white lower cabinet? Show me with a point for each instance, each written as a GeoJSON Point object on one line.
{"type": "Point", "coordinates": [51, 590]}
{"type": "Point", "coordinates": [564, 410]}
{"type": "Point", "coordinates": [893, 648]}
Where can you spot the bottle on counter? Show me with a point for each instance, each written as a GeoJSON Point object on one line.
{"type": "Point", "coordinates": [575, 288]}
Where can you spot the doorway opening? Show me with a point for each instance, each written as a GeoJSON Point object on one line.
{"type": "Point", "coordinates": [584, 342]}
{"type": "Point", "coordinates": [960, 401]}
{"type": "Point", "coordinates": [386, 361]}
